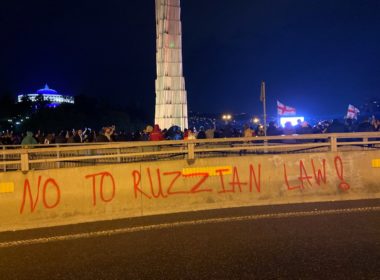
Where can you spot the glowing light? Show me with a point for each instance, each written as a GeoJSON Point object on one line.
{"type": "Point", "coordinates": [227, 117]}
{"type": "Point", "coordinates": [256, 120]}
{"type": "Point", "coordinates": [292, 120]}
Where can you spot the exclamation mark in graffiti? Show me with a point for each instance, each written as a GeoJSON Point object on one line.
{"type": "Point", "coordinates": [344, 186]}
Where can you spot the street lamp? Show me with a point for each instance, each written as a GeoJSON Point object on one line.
{"type": "Point", "coordinates": [256, 120]}
{"type": "Point", "coordinates": [226, 118]}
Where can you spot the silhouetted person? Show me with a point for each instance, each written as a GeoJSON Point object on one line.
{"type": "Point", "coordinates": [201, 133]}
{"type": "Point", "coordinates": [365, 127]}
{"type": "Point", "coordinates": [29, 139]}
{"type": "Point", "coordinates": [336, 127]}
{"type": "Point", "coordinates": [273, 130]}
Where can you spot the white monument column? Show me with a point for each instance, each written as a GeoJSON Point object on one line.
{"type": "Point", "coordinates": [171, 97]}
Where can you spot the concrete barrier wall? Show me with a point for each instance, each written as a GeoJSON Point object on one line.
{"type": "Point", "coordinates": [66, 196]}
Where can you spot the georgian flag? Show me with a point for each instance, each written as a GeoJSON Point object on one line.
{"type": "Point", "coordinates": [284, 110]}
{"type": "Point", "coordinates": [352, 112]}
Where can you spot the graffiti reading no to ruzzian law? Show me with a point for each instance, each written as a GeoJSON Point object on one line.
{"type": "Point", "coordinates": [47, 193]}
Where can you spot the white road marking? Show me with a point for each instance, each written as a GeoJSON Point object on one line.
{"type": "Point", "coordinates": [182, 224]}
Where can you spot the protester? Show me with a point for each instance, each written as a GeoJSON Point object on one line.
{"type": "Point", "coordinates": [260, 130]}
{"type": "Point", "coordinates": [29, 139]}
{"type": "Point", "coordinates": [298, 126]}
{"type": "Point", "coordinates": [156, 134]}
{"type": "Point", "coordinates": [305, 128]}
{"type": "Point", "coordinates": [201, 134]}
{"type": "Point", "coordinates": [137, 136]}
{"type": "Point", "coordinates": [289, 129]}
{"type": "Point", "coordinates": [210, 133]}
{"type": "Point", "coordinates": [273, 130]}
{"type": "Point", "coordinates": [109, 132]}
{"type": "Point", "coordinates": [69, 137]}
{"type": "Point", "coordinates": [336, 127]}
{"type": "Point", "coordinates": [376, 125]}
{"type": "Point", "coordinates": [76, 136]}
{"type": "Point", "coordinates": [248, 132]}
{"type": "Point", "coordinates": [60, 138]}
{"type": "Point", "coordinates": [145, 136]}
{"type": "Point", "coordinates": [190, 135]}
{"type": "Point", "coordinates": [235, 129]}
{"type": "Point", "coordinates": [365, 126]}
{"type": "Point", "coordinates": [49, 139]}
{"type": "Point", "coordinates": [101, 137]}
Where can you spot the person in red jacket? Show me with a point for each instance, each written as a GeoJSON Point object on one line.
{"type": "Point", "coordinates": [156, 134]}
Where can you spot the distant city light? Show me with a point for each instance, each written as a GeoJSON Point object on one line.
{"type": "Point", "coordinates": [256, 120]}
{"type": "Point", "coordinates": [293, 120]}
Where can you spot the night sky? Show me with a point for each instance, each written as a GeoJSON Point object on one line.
{"type": "Point", "coordinates": [315, 55]}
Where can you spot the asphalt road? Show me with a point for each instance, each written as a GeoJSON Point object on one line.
{"type": "Point", "coordinates": [339, 240]}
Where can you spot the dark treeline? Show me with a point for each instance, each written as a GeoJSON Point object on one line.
{"type": "Point", "coordinates": [86, 112]}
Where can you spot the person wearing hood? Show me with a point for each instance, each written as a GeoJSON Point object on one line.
{"type": "Point", "coordinates": [201, 133]}
{"type": "Point", "coordinates": [29, 139]}
{"type": "Point", "coordinates": [156, 134]}
{"type": "Point", "coordinates": [174, 133]}
{"type": "Point", "coordinates": [273, 130]}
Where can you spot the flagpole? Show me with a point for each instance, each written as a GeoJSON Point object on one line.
{"type": "Point", "coordinates": [264, 100]}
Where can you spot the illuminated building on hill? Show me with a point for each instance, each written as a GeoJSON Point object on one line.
{"type": "Point", "coordinates": [48, 94]}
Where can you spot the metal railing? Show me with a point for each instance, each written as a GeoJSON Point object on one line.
{"type": "Point", "coordinates": [73, 155]}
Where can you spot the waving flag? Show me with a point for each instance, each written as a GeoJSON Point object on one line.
{"type": "Point", "coordinates": [284, 110]}
{"type": "Point", "coordinates": [352, 112]}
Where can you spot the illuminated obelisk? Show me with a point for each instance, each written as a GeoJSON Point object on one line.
{"type": "Point", "coordinates": [171, 97]}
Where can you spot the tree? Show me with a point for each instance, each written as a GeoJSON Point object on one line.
{"type": "Point", "coordinates": [24, 107]}
{"type": "Point", "coordinates": [7, 106]}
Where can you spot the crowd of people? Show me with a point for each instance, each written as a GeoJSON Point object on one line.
{"type": "Point", "coordinates": [335, 126]}
{"type": "Point", "coordinates": [154, 133]}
